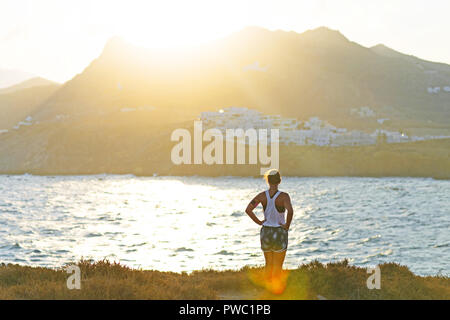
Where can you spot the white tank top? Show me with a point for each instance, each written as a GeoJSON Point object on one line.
{"type": "Point", "coordinates": [271, 214]}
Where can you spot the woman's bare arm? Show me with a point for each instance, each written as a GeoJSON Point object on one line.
{"type": "Point", "coordinates": [251, 206]}
{"type": "Point", "coordinates": [290, 211]}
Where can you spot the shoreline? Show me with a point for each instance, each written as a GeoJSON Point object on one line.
{"type": "Point", "coordinates": [312, 281]}
{"type": "Point", "coordinates": [213, 176]}
{"type": "Point", "coordinates": [425, 159]}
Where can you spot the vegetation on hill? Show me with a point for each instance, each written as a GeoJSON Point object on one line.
{"type": "Point", "coordinates": [16, 105]}
{"type": "Point", "coordinates": [105, 280]}
{"type": "Point", "coordinates": [109, 145]}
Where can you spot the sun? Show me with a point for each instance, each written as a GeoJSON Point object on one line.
{"type": "Point", "coordinates": [168, 24]}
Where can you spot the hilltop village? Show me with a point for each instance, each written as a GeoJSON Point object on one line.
{"type": "Point", "coordinates": [314, 131]}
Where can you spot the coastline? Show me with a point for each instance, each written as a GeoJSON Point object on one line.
{"type": "Point", "coordinates": [211, 176]}
{"type": "Point", "coordinates": [424, 159]}
{"type": "Point", "coordinates": [312, 281]}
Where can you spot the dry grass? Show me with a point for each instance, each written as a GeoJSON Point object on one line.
{"type": "Point", "coordinates": [106, 280]}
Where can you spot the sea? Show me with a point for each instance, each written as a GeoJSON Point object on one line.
{"type": "Point", "coordinates": [192, 223]}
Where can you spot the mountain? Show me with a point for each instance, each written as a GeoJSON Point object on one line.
{"type": "Point", "coordinates": [117, 115]}
{"type": "Point", "coordinates": [435, 73]}
{"type": "Point", "coordinates": [316, 73]}
{"type": "Point", "coordinates": [20, 101]}
{"type": "Point", "coordinates": [9, 77]}
{"type": "Point", "coordinates": [33, 82]}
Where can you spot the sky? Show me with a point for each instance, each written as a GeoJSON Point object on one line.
{"type": "Point", "coordinates": [57, 39]}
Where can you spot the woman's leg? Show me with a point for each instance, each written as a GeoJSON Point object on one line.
{"type": "Point", "coordinates": [278, 259]}
{"type": "Point", "coordinates": [278, 278]}
{"type": "Point", "coordinates": [268, 255]}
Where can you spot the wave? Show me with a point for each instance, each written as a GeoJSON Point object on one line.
{"type": "Point", "coordinates": [183, 249]}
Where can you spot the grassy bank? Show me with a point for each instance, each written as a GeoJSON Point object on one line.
{"type": "Point", "coordinates": [429, 158]}
{"type": "Point", "coordinates": [105, 280]}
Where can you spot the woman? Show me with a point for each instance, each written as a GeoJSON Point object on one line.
{"type": "Point", "coordinates": [274, 231]}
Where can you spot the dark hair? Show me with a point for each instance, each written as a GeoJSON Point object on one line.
{"type": "Point", "coordinates": [272, 176]}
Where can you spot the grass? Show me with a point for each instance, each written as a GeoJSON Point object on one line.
{"type": "Point", "coordinates": [110, 280]}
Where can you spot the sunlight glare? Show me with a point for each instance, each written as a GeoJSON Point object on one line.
{"type": "Point", "coordinates": [168, 24]}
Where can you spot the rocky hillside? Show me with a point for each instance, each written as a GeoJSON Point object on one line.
{"type": "Point", "coordinates": [316, 73]}
{"type": "Point", "coordinates": [20, 101]}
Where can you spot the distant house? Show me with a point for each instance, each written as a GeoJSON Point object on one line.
{"type": "Point", "coordinates": [26, 122]}
{"type": "Point", "coordinates": [434, 89]}
{"type": "Point", "coordinates": [382, 120]}
{"type": "Point", "coordinates": [314, 131]}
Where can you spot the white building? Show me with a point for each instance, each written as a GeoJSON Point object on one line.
{"type": "Point", "coordinates": [315, 131]}
{"type": "Point", "coordinates": [434, 89]}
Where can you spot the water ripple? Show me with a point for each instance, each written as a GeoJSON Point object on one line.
{"type": "Point", "coordinates": [157, 223]}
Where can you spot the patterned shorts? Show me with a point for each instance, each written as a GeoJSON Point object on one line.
{"type": "Point", "coordinates": [273, 239]}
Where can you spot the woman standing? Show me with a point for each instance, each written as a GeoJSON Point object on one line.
{"type": "Point", "coordinates": [274, 231]}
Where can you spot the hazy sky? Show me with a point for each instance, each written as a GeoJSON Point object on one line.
{"type": "Point", "coordinates": [57, 39]}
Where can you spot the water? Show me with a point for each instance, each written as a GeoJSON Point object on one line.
{"type": "Point", "coordinates": [190, 223]}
